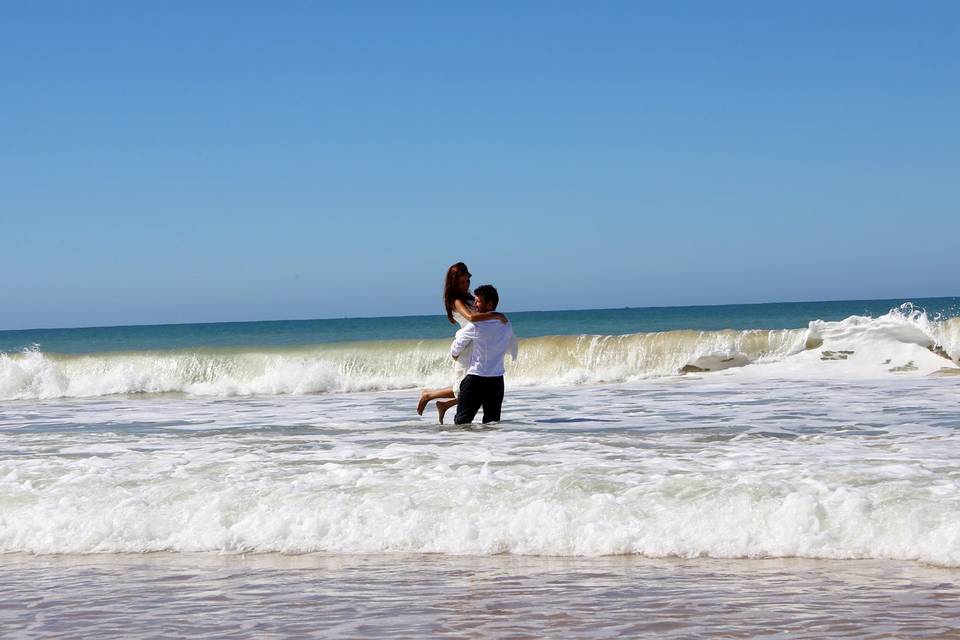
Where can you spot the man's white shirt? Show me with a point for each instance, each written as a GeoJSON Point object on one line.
{"type": "Point", "coordinates": [491, 341]}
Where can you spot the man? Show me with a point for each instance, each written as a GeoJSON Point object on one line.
{"type": "Point", "coordinates": [491, 340]}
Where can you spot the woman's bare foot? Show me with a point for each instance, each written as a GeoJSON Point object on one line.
{"type": "Point", "coordinates": [442, 408]}
{"type": "Point", "coordinates": [424, 399]}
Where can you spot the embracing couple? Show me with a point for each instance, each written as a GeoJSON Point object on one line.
{"type": "Point", "coordinates": [478, 349]}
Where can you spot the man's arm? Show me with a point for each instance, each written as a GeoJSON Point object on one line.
{"type": "Point", "coordinates": [478, 316]}
{"type": "Point", "coordinates": [464, 337]}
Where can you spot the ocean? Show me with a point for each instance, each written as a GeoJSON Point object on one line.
{"type": "Point", "coordinates": [725, 471]}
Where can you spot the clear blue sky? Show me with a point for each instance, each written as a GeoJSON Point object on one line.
{"type": "Point", "coordinates": [203, 161]}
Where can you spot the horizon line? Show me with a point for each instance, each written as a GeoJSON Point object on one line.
{"type": "Point", "coordinates": [440, 315]}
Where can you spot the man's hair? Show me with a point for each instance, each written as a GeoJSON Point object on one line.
{"type": "Point", "coordinates": [489, 294]}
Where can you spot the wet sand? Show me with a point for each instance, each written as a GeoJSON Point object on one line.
{"type": "Point", "coordinates": [415, 596]}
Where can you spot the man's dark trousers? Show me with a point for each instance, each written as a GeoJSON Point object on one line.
{"type": "Point", "coordinates": [476, 392]}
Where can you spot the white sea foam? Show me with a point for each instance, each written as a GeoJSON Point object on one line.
{"type": "Point", "coordinates": [684, 468]}
{"type": "Point", "coordinates": [902, 342]}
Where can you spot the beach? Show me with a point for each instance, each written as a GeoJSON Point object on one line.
{"type": "Point", "coordinates": [239, 240]}
{"type": "Point", "coordinates": [366, 596]}
{"type": "Point", "coordinates": [687, 482]}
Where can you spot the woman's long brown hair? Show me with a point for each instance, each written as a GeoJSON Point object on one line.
{"type": "Point", "coordinates": [451, 289]}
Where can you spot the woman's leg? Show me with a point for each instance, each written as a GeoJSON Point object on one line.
{"type": "Point", "coordinates": [432, 394]}
{"type": "Point", "coordinates": [442, 407]}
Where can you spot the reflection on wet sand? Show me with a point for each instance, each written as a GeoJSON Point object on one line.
{"type": "Point", "coordinates": [139, 596]}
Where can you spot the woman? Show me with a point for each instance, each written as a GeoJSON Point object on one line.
{"type": "Point", "coordinates": [458, 301]}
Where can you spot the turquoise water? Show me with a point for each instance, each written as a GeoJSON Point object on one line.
{"type": "Point", "coordinates": [528, 324]}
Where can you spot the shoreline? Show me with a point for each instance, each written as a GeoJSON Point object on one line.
{"type": "Point", "coordinates": [417, 595]}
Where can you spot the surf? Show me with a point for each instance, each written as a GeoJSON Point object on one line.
{"type": "Point", "coordinates": [903, 341]}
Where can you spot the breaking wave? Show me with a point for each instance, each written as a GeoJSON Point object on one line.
{"type": "Point", "coordinates": [904, 340]}
{"type": "Point", "coordinates": [114, 500]}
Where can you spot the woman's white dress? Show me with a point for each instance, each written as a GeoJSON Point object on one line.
{"type": "Point", "coordinates": [461, 363]}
